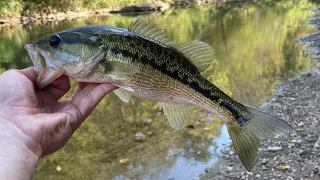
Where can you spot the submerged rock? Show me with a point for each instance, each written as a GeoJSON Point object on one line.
{"type": "Point", "coordinates": [147, 121]}
{"type": "Point", "coordinates": [140, 136]}
{"type": "Point", "coordinates": [155, 6]}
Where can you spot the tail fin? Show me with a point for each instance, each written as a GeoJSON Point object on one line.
{"type": "Point", "coordinates": [258, 125]}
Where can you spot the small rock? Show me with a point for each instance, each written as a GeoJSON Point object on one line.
{"type": "Point", "coordinates": [258, 176]}
{"type": "Point", "coordinates": [202, 120]}
{"type": "Point", "coordinates": [301, 124]}
{"type": "Point", "coordinates": [317, 144]}
{"type": "Point", "coordinates": [196, 123]}
{"type": "Point", "coordinates": [198, 152]}
{"type": "Point", "coordinates": [230, 168]}
{"type": "Point", "coordinates": [264, 167]}
{"type": "Point", "coordinates": [236, 175]}
{"type": "Point", "coordinates": [210, 119]}
{"type": "Point", "coordinates": [304, 153]}
{"type": "Point", "coordinates": [147, 121]}
{"type": "Point", "coordinates": [264, 161]}
{"type": "Point", "coordinates": [140, 136]}
{"type": "Point", "coordinates": [274, 148]}
{"type": "Point", "coordinates": [149, 133]}
{"type": "Point", "coordinates": [58, 168]}
{"type": "Point", "coordinates": [207, 128]}
{"type": "Point", "coordinates": [296, 141]}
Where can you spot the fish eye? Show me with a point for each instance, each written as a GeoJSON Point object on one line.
{"type": "Point", "coordinates": [54, 40]}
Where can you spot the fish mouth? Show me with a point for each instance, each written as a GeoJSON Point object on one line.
{"type": "Point", "coordinates": [34, 55]}
{"type": "Point", "coordinates": [45, 74]}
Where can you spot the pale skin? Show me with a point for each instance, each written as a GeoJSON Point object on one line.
{"type": "Point", "coordinates": [34, 123]}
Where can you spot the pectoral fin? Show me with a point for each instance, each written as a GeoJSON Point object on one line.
{"type": "Point", "coordinates": [123, 94]}
{"type": "Point", "coordinates": [177, 114]}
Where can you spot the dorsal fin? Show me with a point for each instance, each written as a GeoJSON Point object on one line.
{"type": "Point", "coordinates": [199, 53]}
{"type": "Point", "coordinates": [149, 31]}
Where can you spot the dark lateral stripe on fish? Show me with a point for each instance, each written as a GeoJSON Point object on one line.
{"type": "Point", "coordinates": [163, 69]}
{"type": "Point", "coordinates": [162, 66]}
{"type": "Point", "coordinates": [175, 75]}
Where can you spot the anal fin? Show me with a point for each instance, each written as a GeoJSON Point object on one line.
{"type": "Point", "coordinates": [177, 114]}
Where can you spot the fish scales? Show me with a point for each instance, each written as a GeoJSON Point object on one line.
{"type": "Point", "coordinates": [137, 50]}
{"type": "Point", "coordinates": [142, 62]}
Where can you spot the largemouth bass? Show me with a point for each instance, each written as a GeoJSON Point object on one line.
{"type": "Point", "coordinates": [142, 62]}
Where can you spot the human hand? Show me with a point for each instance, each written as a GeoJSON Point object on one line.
{"type": "Point", "coordinates": [33, 123]}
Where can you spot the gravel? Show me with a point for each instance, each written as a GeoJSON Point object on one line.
{"type": "Point", "coordinates": [296, 156]}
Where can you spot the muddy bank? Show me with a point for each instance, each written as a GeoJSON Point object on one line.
{"type": "Point", "coordinates": [296, 156]}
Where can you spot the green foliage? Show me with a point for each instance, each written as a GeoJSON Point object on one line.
{"type": "Point", "coordinates": [14, 7]}
{"type": "Point", "coordinates": [8, 7]}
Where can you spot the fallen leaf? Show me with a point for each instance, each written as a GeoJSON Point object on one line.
{"type": "Point", "coordinates": [210, 136]}
{"type": "Point", "coordinates": [124, 161]}
{"type": "Point", "coordinates": [284, 168]}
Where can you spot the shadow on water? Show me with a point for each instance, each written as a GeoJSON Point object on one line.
{"type": "Point", "coordinates": [255, 48]}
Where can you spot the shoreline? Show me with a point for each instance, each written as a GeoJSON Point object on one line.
{"type": "Point", "coordinates": [155, 6]}
{"type": "Point", "coordinates": [296, 156]}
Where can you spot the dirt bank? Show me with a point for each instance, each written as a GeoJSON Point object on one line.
{"type": "Point", "coordinates": [294, 157]}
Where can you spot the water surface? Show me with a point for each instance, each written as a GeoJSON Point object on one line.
{"type": "Point", "coordinates": [255, 48]}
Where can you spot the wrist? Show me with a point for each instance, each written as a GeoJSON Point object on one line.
{"type": "Point", "coordinates": [17, 161]}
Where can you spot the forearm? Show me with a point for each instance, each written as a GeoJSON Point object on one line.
{"type": "Point", "coordinates": [17, 161]}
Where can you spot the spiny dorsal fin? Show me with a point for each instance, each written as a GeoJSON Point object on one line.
{"type": "Point", "coordinates": [199, 53]}
{"type": "Point", "coordinates": [149, 31]}
{"type": "Point", "coordinates": [177, 114]}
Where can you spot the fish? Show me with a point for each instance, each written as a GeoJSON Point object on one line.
{"type": "Point", "coordinates": [143, 62]}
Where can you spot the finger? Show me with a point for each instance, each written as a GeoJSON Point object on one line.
{"type": "Point", "coordinates": [81, 86]}
{"type": "Point", "coordinates": [85, 100]}
{"type": "Point", "coordinates": [58, 87]}
{"type": "Point", "coordinates": [30, 73]}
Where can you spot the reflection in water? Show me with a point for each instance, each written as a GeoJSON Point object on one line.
{"type": "Point", "coordinates": [255, 47]}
